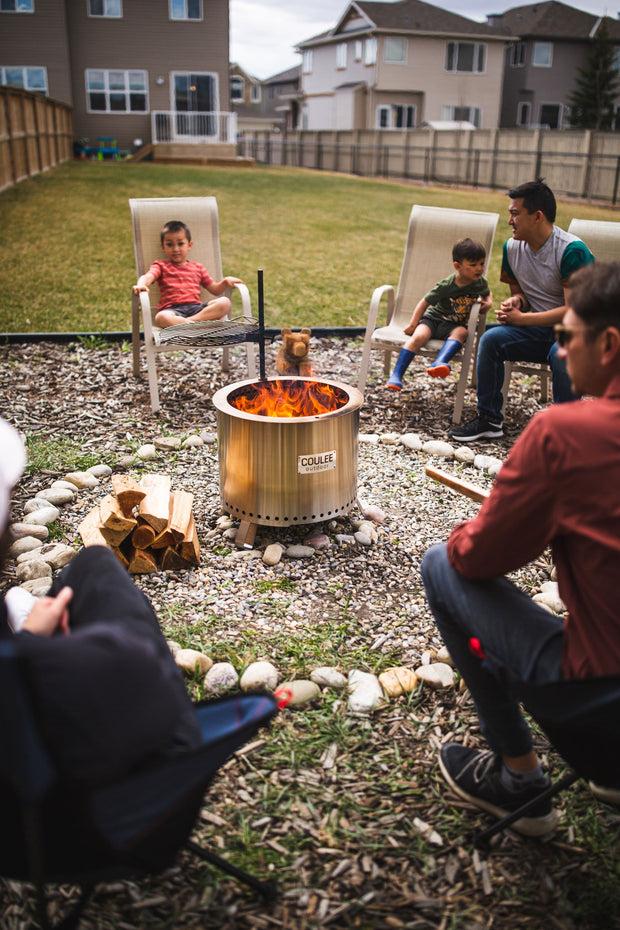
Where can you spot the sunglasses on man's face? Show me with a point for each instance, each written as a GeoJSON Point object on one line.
{"type": "Point", "coordinates": [564, 334]}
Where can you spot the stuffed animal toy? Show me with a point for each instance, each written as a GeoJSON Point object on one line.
{"type": "Point", "coordinates": [292, 357]}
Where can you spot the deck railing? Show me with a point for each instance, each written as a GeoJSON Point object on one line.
{"type": "Point", "coordinates": [193, 128]}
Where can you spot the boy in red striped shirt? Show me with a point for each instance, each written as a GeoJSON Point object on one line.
{"type": "Point", "coordinates": [180, 280]}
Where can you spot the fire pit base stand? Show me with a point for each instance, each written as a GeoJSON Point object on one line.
{"type": "Point", "coordinates": [246, 534]}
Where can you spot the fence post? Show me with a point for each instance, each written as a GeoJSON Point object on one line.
{"type": "Point", "coordinates": [616, 179]}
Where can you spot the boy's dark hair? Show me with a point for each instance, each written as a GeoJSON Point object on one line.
{"type": "Point", "coordinates": [594, 295]}
{"type": "Point", "coordinates": [468, 250]}
{"type": "Point", "coordinates": [175, 226]}
{"type": "Point", "coordinates": [536, 195]}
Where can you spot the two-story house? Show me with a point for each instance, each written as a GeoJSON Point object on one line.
{"type": "Point", "coordinates": [396, 65]}
{"type": "Point", "coordinates": [551, 41]}
{"type": "Point", "coordinates": [264, 105]}
{"type": "Point", "coordinates": [133, 70]}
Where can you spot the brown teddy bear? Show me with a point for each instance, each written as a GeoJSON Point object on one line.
{"type": "Point", "coordinates": [292, 357]}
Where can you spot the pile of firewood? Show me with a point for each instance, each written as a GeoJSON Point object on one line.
{"type": "Point", "coordinates": [149, 527]}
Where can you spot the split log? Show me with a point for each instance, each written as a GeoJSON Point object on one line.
{"type": "Point", "coordinates": [155, 506]}
{"type": "Point", "coordinates": [90, 530]}
{"type": "Point", "coordinates": [163, 540]}
{"type": "Point", "coordinates": [172, 561]}
{"type": "Point", "coordinates": [190, 547]}
{"type": "Point", "coordinates": [115, 526]}
{"type": "Point", "coordinates": [127, 492]}
{"type": "Point", "coordinates": [143, 536]}
{"type": "Point", "coordinates": [181, 514]}
{"type": "Point", "coordinates": [141, 561]}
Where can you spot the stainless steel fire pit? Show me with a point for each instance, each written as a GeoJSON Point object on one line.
{"type": "Point", "coordinates": [282, 470]}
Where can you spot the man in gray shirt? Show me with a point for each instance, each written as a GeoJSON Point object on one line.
{"type": "Point", "coordinates": [536, 265]}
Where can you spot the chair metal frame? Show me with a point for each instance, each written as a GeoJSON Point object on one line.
{"type": "Point", "coordinates": [201, 216]}
{"type": "Point", "coordinates": [431, 234]}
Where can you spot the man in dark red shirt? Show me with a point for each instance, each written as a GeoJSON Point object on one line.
{"type": "Point", "coordinates": [559, 487]}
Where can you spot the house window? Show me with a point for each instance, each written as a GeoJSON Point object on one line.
{"type": "Point", "coordinates": [108, 8]}
{"type": "Point", "coordinates": [16, 6]}
{"type": "Point", "coordinates": [551, 115]}
{"type": "Point", "coordinates": [29, 78]}
{"type": "Point", "coordinates": [463, 114]}
{"type": "Point", "coordinates": [395, 50]}
{"type": "Point", "coordinates": [236, 87]}
{"type": "Point", "coordinates": [616, 64]}
{"type": "Point", "coordinates": [116, 91]}
{"type": "Point", "coordinates": [307, 61]}
{"type": "Point", "coordinates": [341, 55]}
{"type": "Point", "coordinates": [185, 9]}
{"type": "Point", "coordinates": [359, 50]}
{"type": "Point", "coordinates": [542, 56]}
{"type": "Point", "coordinates": [256, 94]}
{"type": "Point", "coordinates": [396, 116]}
{"type": "Point", "coordinates": [466, 56]}
{"type": "Point", "coordinates": [370, 51]}
{"type": "Point", "coordinates": [516, 55]}
{"type": "Point", "coordinates": [524, 113]}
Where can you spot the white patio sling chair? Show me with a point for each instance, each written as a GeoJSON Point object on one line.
{"type": "Point", "coordinates": [148, 216]}
{"type": "Point", "coordinates": [602, 237]}
{"type": "Point", "coordinates": [428, 258]}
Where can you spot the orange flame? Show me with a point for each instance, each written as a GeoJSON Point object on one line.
{"type": "Point", "coordinates": [288, 398]}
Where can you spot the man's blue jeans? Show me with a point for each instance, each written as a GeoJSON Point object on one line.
{"type": "Point", "coordinates": [501, 344]}
{"type": "Point", "coordinates": [515, 633]}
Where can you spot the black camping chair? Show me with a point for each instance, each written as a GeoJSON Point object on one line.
{"type": "Point", "coordinates": [59, 832]}
{"type": "Point", "coordinates": [581, 718]}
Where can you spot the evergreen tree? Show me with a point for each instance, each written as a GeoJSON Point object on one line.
{"type": "Point", "coordinates": [593, 100]}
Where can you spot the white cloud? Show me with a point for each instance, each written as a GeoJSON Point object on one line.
{"type": "Point", "coordinates": [263, 33]}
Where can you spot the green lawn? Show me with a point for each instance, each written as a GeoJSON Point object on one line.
{"type": "Point", "coordinates": [324, 241]}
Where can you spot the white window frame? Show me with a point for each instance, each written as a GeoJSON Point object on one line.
{"type": "Point", "coordinates": [176, 7]}
{"type": "Point", "coordinates": [107, 6]}
{"type": "Point", "coordinates": [560, 110]}
{"type": "Point", "coordinates": [341, 56]}
{"type": "Point", "coordinates": [524, 113]}
{"type": "Point", "coordinates": [370, 51]}
{"type": "Point", "coordinates": [26, 83]}
{"type": "Point", "coordinates": [449, 112]}
{"type": "Point", "coordinates": [19, 6]}
{"type": "Point", "coordinates": [255, 93]}
{"type": "Point", "coordinates": [111, 91]}
{"type": "Point", "coordinates": [307, 61]}
{"type": "Point", "coordinates": [516, 55]}
{"type": "Point", "coordinates": [358, 53]}
{"type": "Point", "coordinates": [239, 82]}
{"type": "Point", "coordinates": [384, 113]}
{"type": "Point", "coordinates": [480, 51]}
{"type": "Point", "coordinates": [395, 44]}
{"type": "Point", "coordinates": [387, 115]}
{"type": "Point", "coordinates": [537, 53]}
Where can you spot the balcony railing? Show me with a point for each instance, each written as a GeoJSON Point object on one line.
{"type": "Point", "coordinates": [193, 128]}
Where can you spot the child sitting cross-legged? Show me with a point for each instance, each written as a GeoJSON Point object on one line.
{"type": "Point", "coordinates": [444, 312]}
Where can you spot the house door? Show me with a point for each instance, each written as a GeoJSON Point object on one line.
{"type": "Point", "coordinates": [195, 103]}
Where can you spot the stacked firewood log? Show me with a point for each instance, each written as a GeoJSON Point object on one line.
{"type": "Point", "coordinates": [148, 526]}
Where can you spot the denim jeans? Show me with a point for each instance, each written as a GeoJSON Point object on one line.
{"type": "Point", "coordinates": [516, 634]}
{"type": "Point", "coordinates": [501, 344]}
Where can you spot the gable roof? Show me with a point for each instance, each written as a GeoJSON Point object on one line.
{"type": "Point", "coordinates": [284, 77]}
{"type": "Point", "coordinates": [553, 20]}
{"type": "Point", "coordinates": [413, 17]}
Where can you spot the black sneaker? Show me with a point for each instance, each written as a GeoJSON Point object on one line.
{"type": "Point", "coordinates": [478, 428]}
{"type": "Point", "coordinates": [475, 776]}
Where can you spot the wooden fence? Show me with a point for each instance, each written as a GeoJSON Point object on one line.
{"type": "Point", "coordinates": [574, 163]}
{"type": "Point", "coordinates": [36, 133]}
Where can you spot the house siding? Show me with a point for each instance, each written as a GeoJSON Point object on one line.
{"type": "Point", "coordinates": [39, 40]}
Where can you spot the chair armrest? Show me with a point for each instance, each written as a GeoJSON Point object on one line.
{"type": "Point", "coordinates": [375, 302]}
{"type": "Point", "coordinates": [246, 305]}
{"type": "Point", "coordinates": [147, 319]}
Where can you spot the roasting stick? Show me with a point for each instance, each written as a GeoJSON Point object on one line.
{"type": "Point", "coordinates": [463, 487]}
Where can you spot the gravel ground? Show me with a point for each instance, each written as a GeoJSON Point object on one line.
{"type": "Point", "coordinates": [371, 595]}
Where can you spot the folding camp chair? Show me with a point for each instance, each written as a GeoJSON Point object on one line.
{"type": "Point", "coordinates": [432, 233]}
{"type": "Point", "coordinates": [57, 831]}
{"type": "Point", "coordinates": [200, 214]}
{"type": "Point", "coordinates": [581, 718]}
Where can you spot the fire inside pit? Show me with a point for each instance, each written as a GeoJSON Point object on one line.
{"type": "Point", "coordinates": [287, 451]}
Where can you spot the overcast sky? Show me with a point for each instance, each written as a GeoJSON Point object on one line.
{"type": "Point", "coordinates": [263, 33]}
